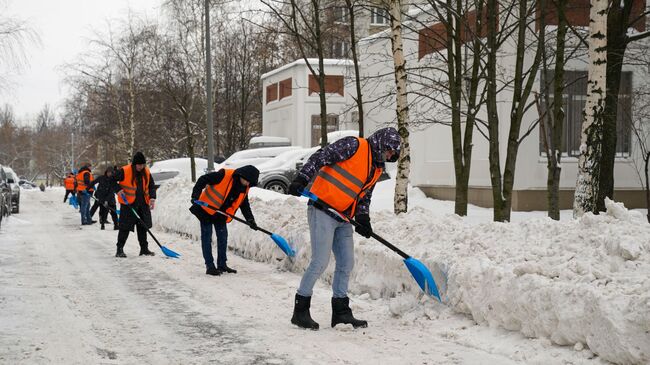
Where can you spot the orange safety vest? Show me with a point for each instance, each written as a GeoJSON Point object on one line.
{"type": "Point", "coordinates": [343, 184]}
{"type": "Point", "coordinates": [216, 194]}
{"type": "Point", "coordinates": [129, 185]}
{"type": "Point", "coordinates": [69, 182]}
{"type": "Point", "coordinates": [81, 185]}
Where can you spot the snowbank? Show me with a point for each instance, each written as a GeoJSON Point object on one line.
{"type": "Point", "coordinates": [576, 282]}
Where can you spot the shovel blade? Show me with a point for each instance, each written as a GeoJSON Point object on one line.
{"type": "Point", "coordinates": [283, 244]}
{"type": "Point", "coordinates": [169, 253]}
{"type": "Point", "coordinates": [423, 277]}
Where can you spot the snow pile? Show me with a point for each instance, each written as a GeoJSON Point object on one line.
{"type": "Point", "coordinates": [581, 282]}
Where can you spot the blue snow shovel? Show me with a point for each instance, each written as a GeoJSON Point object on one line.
{"type": "Point", "coordinates": [165, 250]}
{"type": "Point", "coordinates": [420, 273]}
{"type": "Point", "coordinates": [279, 240]}
{"type": "Point", "coordinates": [73, 201]}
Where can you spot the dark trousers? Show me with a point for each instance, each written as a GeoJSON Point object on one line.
{"type": "Point", "coordinates": [222, 243]}
{"type": "Point", "coordinates": [67, 192]}
{"type": "Point", "coordinates": [96, 205]}
{"type": "Point", "coordinates": [123, 235]}
{"type": "Point", "coordinates": [103, 213]}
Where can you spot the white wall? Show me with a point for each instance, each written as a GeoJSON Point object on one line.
{"type": "Point", "coordinates": [291, 116]}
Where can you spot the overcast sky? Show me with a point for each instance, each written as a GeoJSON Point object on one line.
{"type": "Point", "coordinates": [64, 28]}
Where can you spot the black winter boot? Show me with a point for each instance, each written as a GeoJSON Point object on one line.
{"type": "Point", "coordinates": [120, 253]}
{"type": "Point", "coordinates": [227, 269]}
{"type": "Point", "coordinates": [341, 313]}
{"type": "Point", "coordinates": [213, 271]}
{"type": "Point", "coordinates": [301, 316]}
{"type": "Point", "coordinates": [102, 227]}
{"type": "Point", "coordinates": [144, 251]}
{"type": "Point", "coordinates": [116, 227]}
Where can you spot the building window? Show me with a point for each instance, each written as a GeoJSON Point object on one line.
{"type": "Point", "coordinates": [574, 100]}
{"type": "Point", "coordinates": [333, 85]}
{"type": "Point", "coordinates": [271, 93]}
{"type": "Point", "coordinates": [341, 49]}
{"type": "Point", "coordinates": [378, 16]}
{"type": "Point", "coordinates": [285, 88]}
{"type": "Point", "coordinates": [341, 15]}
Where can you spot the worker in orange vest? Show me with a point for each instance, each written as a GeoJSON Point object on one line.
{"type": "Point", "coordinates": [345, 174]}
{"type": "Point", "coordinates": [68, 182]}
{"type": "Point", "coordinates": [227, 190]}
{"type": "Point", "coordinates": [84, 192]}
{"type": "Point", "coordinates": [137, 192]}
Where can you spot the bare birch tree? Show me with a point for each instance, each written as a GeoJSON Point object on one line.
{"type": "Point", "coordinates": [586, 193]}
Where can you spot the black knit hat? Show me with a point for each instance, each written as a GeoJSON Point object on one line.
{"type": "Point", "coordinates": [138, 159]}
{"type": "Point", "coordinates": [249, 173]}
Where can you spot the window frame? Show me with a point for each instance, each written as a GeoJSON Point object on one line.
{"type": "Point", "coordinates": [379, 13]}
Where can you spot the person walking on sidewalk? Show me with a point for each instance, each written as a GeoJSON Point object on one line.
{"type": "Point", "coordinates": [345, 174]}
{"type": "Point", "coordinates": [227, 190]}
{"type": "Point", "coordinates": [68, 182]}
{"type": "Point", "coordinates": [137, 191]}
{"type": "Point", "coordinates": [84, 191]}
{"type": "Point", "coordinates": [105, 197]}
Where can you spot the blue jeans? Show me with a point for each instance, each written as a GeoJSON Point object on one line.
{"type": "Point", "coordinates": [222, 243]}
{"type": "Point", "coordinates": [327, 234]}
{"type": "Point", "coordinates": [84, 207]}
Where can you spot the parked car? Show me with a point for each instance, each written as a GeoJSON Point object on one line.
{"type": "Point", "coordinates": [163, 171]}
{"type": "Point", "coordinates": [277, 173]}
{"type": "Point", "coordinates": [26, 184]}
{"type": "Point", "coordinates": [15, 189]}
{"type": "Point", "coordinates": [254, 157]}
{"type": "Point", "coordinates": [5, 194]}
{"type": "Point", "coordinates": [268, 141]}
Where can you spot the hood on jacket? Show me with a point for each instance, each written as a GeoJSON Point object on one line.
{"type": "Point", "coordinates": [385, 139]}
{"type": "Point", "coordinates": [249, 173]}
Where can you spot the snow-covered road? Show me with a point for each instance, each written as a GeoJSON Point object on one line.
{"type": "Point", "coordinates": [65, 299]}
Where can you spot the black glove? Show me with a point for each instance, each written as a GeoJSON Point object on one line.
{"type": "Point", "coordinates": [363, 228]}
{"type": "Point", "coordinates": [297, 185]}
{"type": "Point", "coordinates": [252, 224]}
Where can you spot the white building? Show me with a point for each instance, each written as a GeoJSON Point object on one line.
{"type": "Point", "coordinates": [291, 104]}
{"type": "Point", "coordinates": [432, 165]}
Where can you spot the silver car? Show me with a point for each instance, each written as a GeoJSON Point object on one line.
{"type": "Point", "coordinates": [277, 173]}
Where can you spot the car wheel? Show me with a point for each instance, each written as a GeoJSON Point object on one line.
{"type": "Point", "coordinates": [16, 209]}
{"type": "Point", "coordinates": [276, 186]}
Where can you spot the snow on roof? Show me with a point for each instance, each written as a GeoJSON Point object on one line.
{"type": "Point", "coordinates": [313, 62]}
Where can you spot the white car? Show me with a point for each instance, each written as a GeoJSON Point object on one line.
{"type": "Point", "coordinates": [254, 157]}
{"type": "Point", "coordinates": [165, 170]}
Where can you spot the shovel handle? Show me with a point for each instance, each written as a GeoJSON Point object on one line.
{"type": "Point", "coordinates": [204, 204]}
{"type": "Point", "coordinates": [374, 235]}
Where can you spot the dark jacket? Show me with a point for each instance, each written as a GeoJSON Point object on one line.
{"type": "Point", "coordinates": [127, 219]}
{"type": "Point", "coordinates": [106, 188]}
{"type": "Point", "coordinates": [215, 178]}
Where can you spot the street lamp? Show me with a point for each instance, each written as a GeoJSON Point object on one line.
{"type": "Point", "coordinates": [208, 88]}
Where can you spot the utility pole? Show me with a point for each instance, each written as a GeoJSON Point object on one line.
{"type": "Point", "coordinates": [208, 88]}
{"type": "Point", "coordinates": [72, 159]}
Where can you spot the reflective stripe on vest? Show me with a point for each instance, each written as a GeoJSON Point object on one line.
{"type": "Point", "coordinates": [216, 195]}
{"type": "Point", "coordinates": [69, 183]}
{"type": "Point", "coordinates": [344, 183]}
{"type": "Point", "coordinates": [129, 185]}
{"type": "Point", "coordinates": [81, 185]}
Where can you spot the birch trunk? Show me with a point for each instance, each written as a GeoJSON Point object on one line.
{"type": "Point", "coordinates": [404, 161]}
{"type": "Point", "coordinates": [586, 194]}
